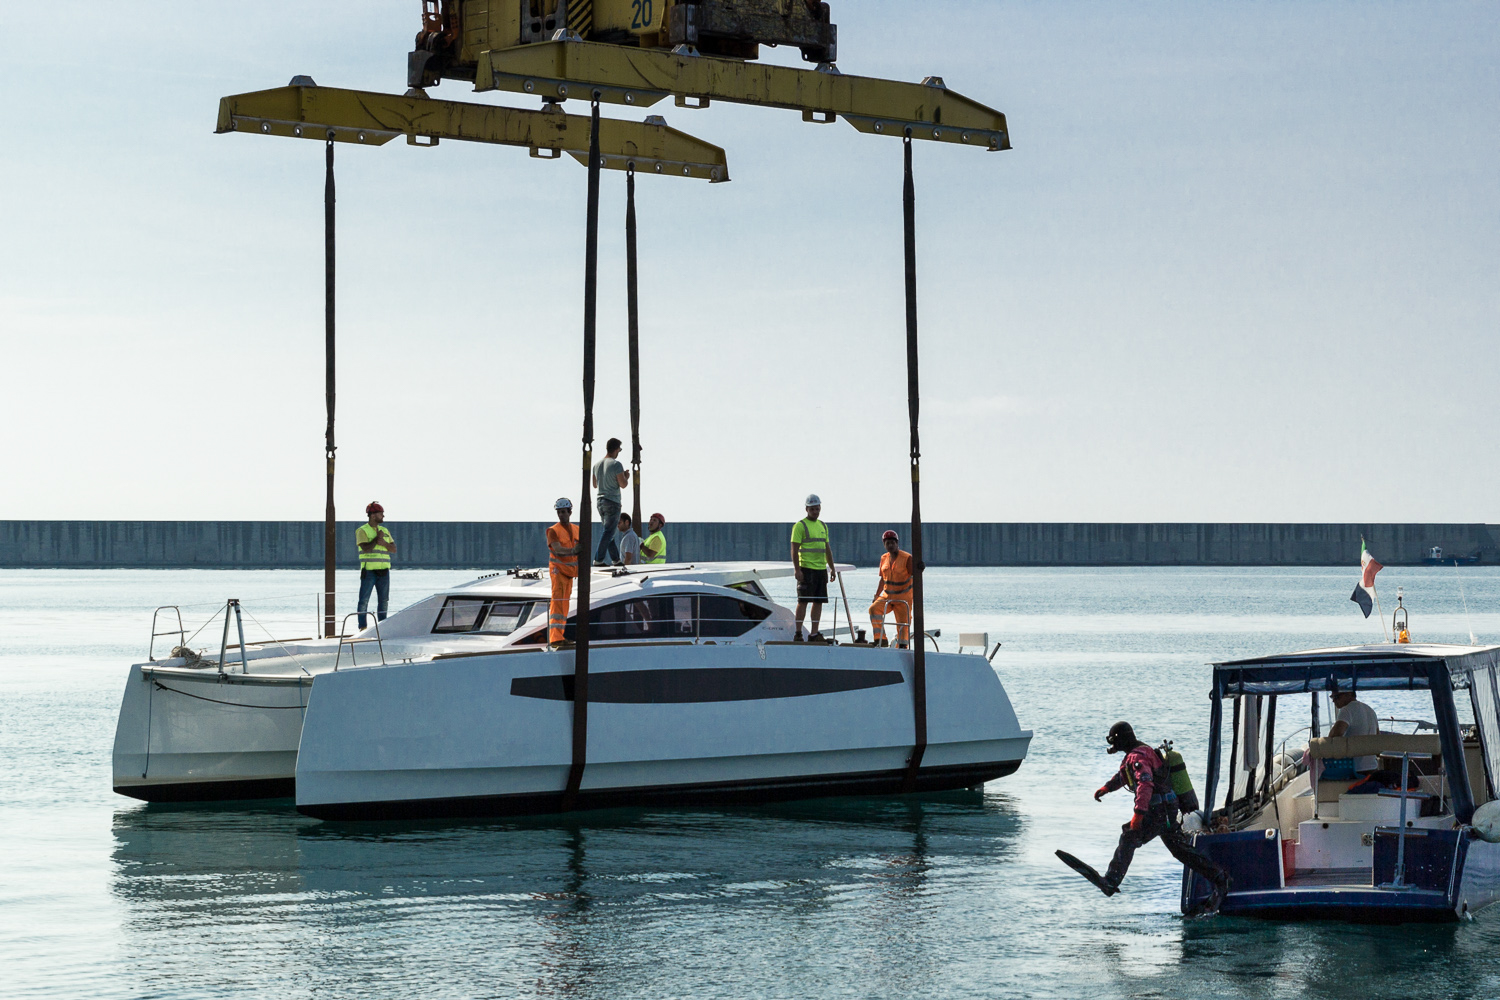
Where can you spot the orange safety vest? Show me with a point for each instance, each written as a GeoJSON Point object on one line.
{"type": "Point", "coordinates": [895, 573]}
{"type": "Point", "coordinates": [566, 538]}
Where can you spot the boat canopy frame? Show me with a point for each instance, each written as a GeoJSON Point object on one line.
{"type": "Point", "coordinates": [1438, 671]}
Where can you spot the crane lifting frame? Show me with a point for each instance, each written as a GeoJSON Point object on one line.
{"type": "Point", "coordinates": [373, 119]}
{"type": "Point", "coordinates": [641, 77]}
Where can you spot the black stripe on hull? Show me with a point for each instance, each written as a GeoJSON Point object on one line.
{"type": "Point", "coordinates": [688, 685]}
{"type": "Point", "coordinates": [752, 792]}
{"type": "Point", "coordinates": [213, 791]}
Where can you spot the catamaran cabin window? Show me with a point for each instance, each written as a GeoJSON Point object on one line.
{"type": "Point", "coordinates": [504, 617]}
{"type": "Point", "coordinates": [680, 616]}
{"type": "Point", "coordinates": [724, 617]}
{"type": "Point", "coordinates": [484, 615]}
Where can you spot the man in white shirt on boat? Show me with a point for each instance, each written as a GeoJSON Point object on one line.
{"type": "Point", "coordinates": [1355, 718]}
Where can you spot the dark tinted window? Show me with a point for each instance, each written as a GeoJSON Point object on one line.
{"type": "Point", "coordinates": [653, 618]}
{"type": "Point", "coordinates": [749, 587]}
{"type": "Point", "coordinates": [723, 617]}
{"type": "Point", "coordinates": [643, 618]}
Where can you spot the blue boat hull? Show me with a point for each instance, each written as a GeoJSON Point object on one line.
{"type": "Point", "coordinates": [1447, 875]}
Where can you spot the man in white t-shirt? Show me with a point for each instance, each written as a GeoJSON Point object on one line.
{"type": "Point", "coordinates": [1355, 718]}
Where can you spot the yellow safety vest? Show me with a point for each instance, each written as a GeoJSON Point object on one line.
{"type": "Point", "coordinates": [655, 539]}
{"type": "Point", "coordinates": [374, 558]}
{"type": "Point", "coordinates": [812, 552]}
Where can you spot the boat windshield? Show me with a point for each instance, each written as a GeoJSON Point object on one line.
{"type": "Point", "coordinates": [483, 615]}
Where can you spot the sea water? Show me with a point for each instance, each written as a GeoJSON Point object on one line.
{"type": "Point", "coordinates": [956, 895]}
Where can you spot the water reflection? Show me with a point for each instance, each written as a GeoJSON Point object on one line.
{"type": "Point", "coordinates": [591, 905]}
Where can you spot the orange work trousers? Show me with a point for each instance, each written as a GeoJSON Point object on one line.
{"type": "Point", "coordinates": [884, 604]}
{"type": "Point", "coordinates": [557, 611]}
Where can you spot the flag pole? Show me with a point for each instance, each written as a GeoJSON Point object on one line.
{"type": "Point", "coordinates": [1379, 611]}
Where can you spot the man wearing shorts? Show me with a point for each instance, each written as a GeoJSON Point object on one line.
{"type": "Point", "coordinates": [812, 558]}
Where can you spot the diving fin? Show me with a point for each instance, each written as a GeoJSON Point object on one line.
{"type": "Point", "coordinates": [1088, 873]}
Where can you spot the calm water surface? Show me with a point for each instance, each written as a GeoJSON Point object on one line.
{"type": "Point", "coordinates": [948, 896]}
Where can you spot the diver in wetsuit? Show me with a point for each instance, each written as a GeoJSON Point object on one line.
{"type": "Point", "coordinates": [1146, 774]}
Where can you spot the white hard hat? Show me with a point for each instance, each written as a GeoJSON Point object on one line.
{"type": "Point", "coordinates": [563, 503]}
{"type": "Point", "coordinates": [812, 501]}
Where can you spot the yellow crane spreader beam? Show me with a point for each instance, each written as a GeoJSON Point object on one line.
{"type": "Point", "coordinates": [373, 119]}
{"type": "Point", "coordinates": [641, 76]}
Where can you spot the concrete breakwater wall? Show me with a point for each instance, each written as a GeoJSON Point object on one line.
{"type": "Point", "coordinates": [501, 544]}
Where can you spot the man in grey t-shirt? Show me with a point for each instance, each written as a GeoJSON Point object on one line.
{"type": "Point", "coordinates": [609, 478]}
{"type": "Point", "coordinates": [630, 542]}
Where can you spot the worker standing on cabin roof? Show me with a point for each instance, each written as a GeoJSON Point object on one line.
{"type": "Point", "coordinates": [609, 478]}
{"type": "Point", "coordinates": [562, 566]}
{"type": "Point", "coordinates": [812, 559]}
{"type": "Point", "coordinates": [892, 592]}
{"type": "Point", "coordinates": [1145, 773]}
{"type": "Point", "coordinates": [375, 548]}
{"type": "Point", "coordinates": [654, 548]}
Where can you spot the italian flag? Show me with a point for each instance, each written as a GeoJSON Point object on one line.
{"type": "Point", "coordinates": [1364, 591]}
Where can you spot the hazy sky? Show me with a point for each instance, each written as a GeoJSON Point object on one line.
{"type": "Point", "coordinates": [1240, 265]}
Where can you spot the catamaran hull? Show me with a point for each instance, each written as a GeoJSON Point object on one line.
{"type": "Point", "coordinates": [198, 736]}
{"type": "Point", "coordinates": [729, 794]}
{"type": "Point", "coordinates": [667, 725]}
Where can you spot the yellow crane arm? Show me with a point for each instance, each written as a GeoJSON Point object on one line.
{"type": "Point", "coordinates": [308, 111]}
{"type": "Point", "coordinates": [643, 76]}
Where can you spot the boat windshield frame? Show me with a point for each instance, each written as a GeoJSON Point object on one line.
{"type": "Point", "coordinates": [1354, 670]}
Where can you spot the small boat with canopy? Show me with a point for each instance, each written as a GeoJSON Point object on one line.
{"type": "Point", "coordinates": [1304, 838]}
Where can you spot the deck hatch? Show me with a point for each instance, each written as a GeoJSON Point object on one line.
{"type": "Point", "coordinates": [685, 686]}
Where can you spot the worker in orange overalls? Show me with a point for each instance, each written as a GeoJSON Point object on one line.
{"type": "Point", "coordinates": [562, 566]}
{"type": "Point", "coordinates": [892, 592]}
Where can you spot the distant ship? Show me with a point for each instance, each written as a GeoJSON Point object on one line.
{"type": "Point", "coordinates": [1435, 557]}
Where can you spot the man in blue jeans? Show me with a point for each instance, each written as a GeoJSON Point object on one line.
{"type": "Point", "coordinates": [375, 548]}
{"type": "Point", "coordinates": [609, 478]}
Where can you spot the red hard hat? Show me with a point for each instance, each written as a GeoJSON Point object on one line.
{"type": "Point", "coordinates": [374, 508]}
{"type": "Point", "coordinates": [890, 536]}
{"type": "Point", "coordinates": [659, 518]}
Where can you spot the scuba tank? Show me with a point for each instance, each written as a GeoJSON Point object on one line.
{"type": "Point", "coordinates": [1182, 783]}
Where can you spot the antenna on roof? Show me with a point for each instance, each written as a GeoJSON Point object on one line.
{"type": "Point", "coordinates": [1473, 640]}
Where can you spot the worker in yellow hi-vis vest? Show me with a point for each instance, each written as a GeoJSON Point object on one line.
{"type": "Point", "coordinates": [812, 559]}
{"type": "Point", "coordinates": [375, 548]}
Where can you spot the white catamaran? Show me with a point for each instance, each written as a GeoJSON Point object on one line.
{"type": "Point", "coordinates": [458, 706]}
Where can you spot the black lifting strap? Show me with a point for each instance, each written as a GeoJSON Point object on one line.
{"type": "Point", "coordinates": [913, 406]}
{"type": "Point", "coordinates": [584, 511]}
{"type": "Point", "coordinates": [330, 540]}
{"type": "Point", "coordinates": [635, 347]}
